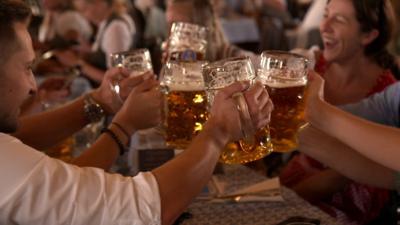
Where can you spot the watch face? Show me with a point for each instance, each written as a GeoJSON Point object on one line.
{"type": "Point", "coordinates": [94, 112]}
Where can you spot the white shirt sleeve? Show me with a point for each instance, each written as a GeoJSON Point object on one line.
{"type": "Point", "coordinates": [117, 38]}
{"type": "Point", "coordinates": [36, 189]}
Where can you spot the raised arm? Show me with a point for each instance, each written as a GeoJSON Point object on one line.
{"type": "Point", "coordinates": [62, 122]}
{"type": "Point", "coordinates": [343, 159]}
{"type": "Point", "coordinates": [192, 169]}
{"type": "Point", "coordinates": [376, 142]}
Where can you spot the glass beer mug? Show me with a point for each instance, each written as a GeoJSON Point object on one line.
{"type": "Point", "coordinates": [137, 62]}
{"type": "Point", "coordinates": [187, 42]}
{"type": "Point", "coordinates": [284, 75]}
{"type": "Point", "coordinates": [186, 103]}
{"type": "Point", "coordinates": [219, 75]}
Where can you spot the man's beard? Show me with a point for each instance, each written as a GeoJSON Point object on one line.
{"type": "Point", "coordinates": [7, 124]}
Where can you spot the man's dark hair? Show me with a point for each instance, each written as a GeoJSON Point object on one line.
{"type": "Point", "coordinates": [11, 12]}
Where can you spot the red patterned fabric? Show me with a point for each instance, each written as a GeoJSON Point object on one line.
{"type": "Point", "coordinates": [357, 203]}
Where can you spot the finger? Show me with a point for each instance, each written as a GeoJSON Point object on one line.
{"type": "Point", "coordinates": [227, 92]}
{"type": "Point", "coordinates": [256, 90]}
{"type": "Point", "coordinates": [261, 103]}
{"type": "Point", "coordinates": [146, 86]}
{"type": "Point", "coordinates": [116, 72]}
{"type": "Point", "coordinates": [262, 123]}
{"type": "Point", "coordinates": [316, 83]}
{"type": "Point", "coordinates": [314, 77]}
{"type": "Point", "coordinates": [145, 75]}
{"type": "Point", "coordinates": [263, 118]}
{"type": "Point", "coordinates": [267, 109]}
{"type": "Point", "coordinates": [133, 81]}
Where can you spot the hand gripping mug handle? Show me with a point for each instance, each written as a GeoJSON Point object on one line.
{"type": "Point", "coordinates": [246, 124]}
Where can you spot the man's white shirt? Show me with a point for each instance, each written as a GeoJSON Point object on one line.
{"type": "Point", "coordinates": [36, 189]}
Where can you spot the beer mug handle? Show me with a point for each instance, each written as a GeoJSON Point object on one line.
{"type": "Point", "coordinates": [246, 123]}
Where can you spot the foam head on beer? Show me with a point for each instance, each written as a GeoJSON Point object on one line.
{"type": "Point", "coordinates": [284, 75]}
{"type": "Point", "coordinates": [186, 102]}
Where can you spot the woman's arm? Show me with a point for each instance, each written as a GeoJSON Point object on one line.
{"type": "Point", "coordinates": [377, 142]}
{"type": "Point", "coordinates": [343, 159]}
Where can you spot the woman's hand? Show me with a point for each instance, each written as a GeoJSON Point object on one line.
{"type": "Point", "coordinates": [315, 96]}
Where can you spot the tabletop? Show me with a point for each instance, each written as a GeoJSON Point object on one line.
{"type": "Point", "coordinates": [254, 213]}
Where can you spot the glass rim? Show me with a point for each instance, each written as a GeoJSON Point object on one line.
{"type": "Point", "coordinates": [222, 62]}
{"type": "Point", "coordinates": [188, 24]}
{"type": "Point", "coordinates": [179, 62]}
{"type": "Point", "coordinates": [281, 53]}
{"type": "Point", "coordinates": [138, 50]}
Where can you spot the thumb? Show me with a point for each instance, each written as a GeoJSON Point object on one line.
{"type": "Point", "coordinates": [316, 84]}
{"type": "Point", "coordinates": [228, 91]}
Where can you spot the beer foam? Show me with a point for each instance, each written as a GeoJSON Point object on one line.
{"type": "Point", "coordinates": [194, 86]}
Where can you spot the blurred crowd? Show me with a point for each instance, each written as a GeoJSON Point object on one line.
{"type": "Point", "coordinates": [355, 50]}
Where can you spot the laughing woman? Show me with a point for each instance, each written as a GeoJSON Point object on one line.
{"type": "Point", "coordinates": [355, 63]}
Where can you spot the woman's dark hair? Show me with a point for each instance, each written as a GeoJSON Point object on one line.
{"type": "Point", "coordinates": [378, 15]}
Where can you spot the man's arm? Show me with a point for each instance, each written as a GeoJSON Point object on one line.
{"type": "Point", "coordinates": [181, 179]}
{"type": "Point", "coordinates": [46, 129]}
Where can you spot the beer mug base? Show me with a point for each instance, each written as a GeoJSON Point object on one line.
{"type": "Point", "coordinates": [284, 145]}
{"type": "Point", "coordinates": [233, 155]}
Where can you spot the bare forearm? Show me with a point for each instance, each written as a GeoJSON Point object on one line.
{"type": "Point", "coordinates": [104, 152]}
{"type": "Point", "coordinates": [344, 159]}
{"type": "Point", "coordinates": [190, 171]}
{"type": "Point", "coordinates": [377, 142]}
{"type": "Point", "coordinates": [55, 125]}
{"type": "Point", "coordinates": [321, 185]}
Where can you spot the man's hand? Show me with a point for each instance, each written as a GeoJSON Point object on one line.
{"type": "Point", "coordinates": [107, 98]}
{"type": "Point", "coordinates": [225, 115]}
{"type": "Point", "coordinates": [142, 108]}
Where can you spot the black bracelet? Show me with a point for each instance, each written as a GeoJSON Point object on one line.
{"type": "Point", "coordinates": [122, 129]}
{"type": "Point", "coordinates": [121, 147]}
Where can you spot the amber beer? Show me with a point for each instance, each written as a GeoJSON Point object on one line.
{"type": "Point", "coordinates": [284, 75]}
{"type": "Point", "coordinates": [288, 114]}
{"type": "Point", "coordinates": [219, 75]}
{"type": "Point", "coordinates": [242, 152]}
{"type": "Point", "coordinates": [185, 114]}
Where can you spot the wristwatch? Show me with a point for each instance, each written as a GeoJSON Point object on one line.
{"type": "Point", "coordinates": [93, 111]}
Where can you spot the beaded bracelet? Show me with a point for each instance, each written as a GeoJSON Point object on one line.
{"type": "Point", "coordinates": [116, 139]}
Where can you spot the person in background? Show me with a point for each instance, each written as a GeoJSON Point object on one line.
{"type": "Point", "coordinates": [355, 63]}
{"type": "Point", "coordinates": [151, 28]}
{"type": "Point", "coordinates": [43, 190]}
{"type": "Point", "coordinates": [202, 12]}
{"type": "Point", "coordinates": [115, 34]}
{"type": "Point", "coordinates": [368, 156]}
{"type": "Point", "coordinates": [62, 26]}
